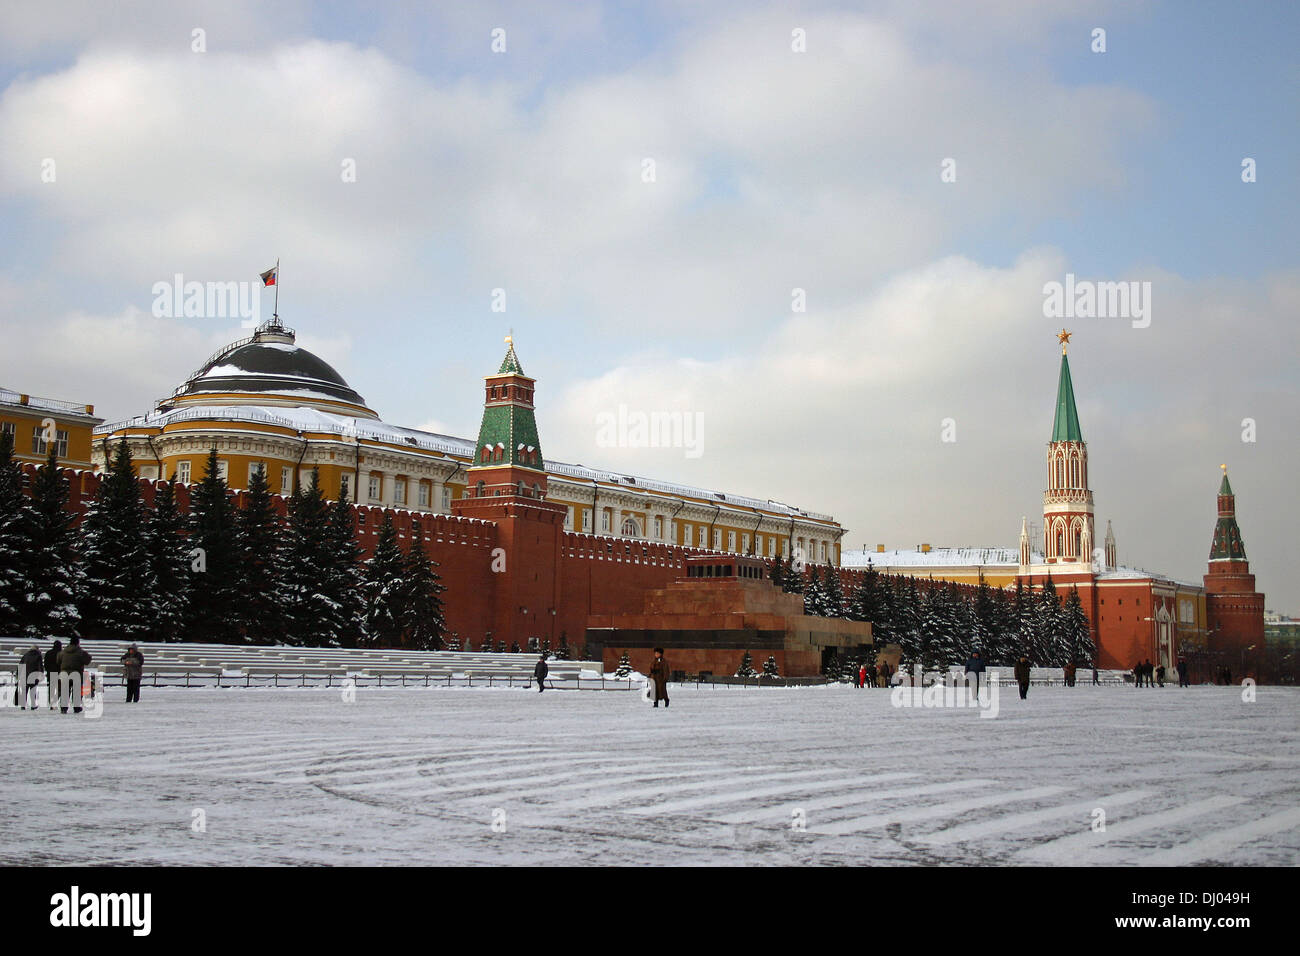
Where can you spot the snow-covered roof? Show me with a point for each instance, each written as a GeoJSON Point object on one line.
{"type": "Point", "coordinates": [306, 419]}
{"type": "Point", "coordinates": [10, 397]}
{"type": "Point", "coordinates": [935, 558]}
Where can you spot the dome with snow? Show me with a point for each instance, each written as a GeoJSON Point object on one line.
{"type": "Point", "coordinates": [269, 363]}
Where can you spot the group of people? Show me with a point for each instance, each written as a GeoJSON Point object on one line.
{"type": "Point", "coordinates": [1146, 674]}
{"type": "Point", "coordinates": [878, 676]}
{"type": "Point", "coordinates": [59, 665]}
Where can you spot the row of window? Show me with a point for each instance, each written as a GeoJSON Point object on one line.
{"type": "Point", "coordinates": [697, 536]}
{"type": "Point", "coordinates": [39, 445]}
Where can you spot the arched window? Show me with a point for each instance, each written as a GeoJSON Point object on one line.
{"type": "Point", "coordinates": [630, 528]}
{"type": "Point", "coordinates": [478, 490]}
{"type": "Point", "coordinates": [497, 455]}
{"type": "Point", "coordinates": [1060, 541]}
{"type": "Point", "coordinates": [537, 490]}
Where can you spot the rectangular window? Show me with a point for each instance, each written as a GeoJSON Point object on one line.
{"type": "Point", "coordinates": [568, 519]}
{"type": "Point", "coordinates": [399, 491]}
{"type": "Point", "coordinates": [286, 480]}
{"type": "Point", "coordinates": [659, 528]}
{"type": "Point", "coordinates": [307, 478]}
{"type": "Point", "coordinates": [731, 541]}
{"type": "Point", "coordinates": [423, 500]}
{"type": "Point", "coordinates": [823, 552]}
{"type": "Point", "coordinates": [8, 428]}
{"type": "Point", "coordinates": [223, 469]}
{"type": "Point", "coordinates": [374, 487]}
{"type": "Point", "coordinates": [744, 544]}
{"type": "Point", "coordinates": [717, 539]}
{"type": "Point", "coordinates": [40, 447]}
{"type": "Point", "coordinates": [183, 472]}
{"type": "Point", "coordinates": [586, 520]}
{"type": "Point", "coordinates": [345, 486]}
{"type": "Point", "coordinates": [256, 468]}
{"type": "Point", "coordinates": [446, 498]}
{"type": "Point", "coordinates": [604, 520]}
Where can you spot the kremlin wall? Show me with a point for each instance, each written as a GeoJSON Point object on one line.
{"type": "Point", "coordinates": [528, 547]}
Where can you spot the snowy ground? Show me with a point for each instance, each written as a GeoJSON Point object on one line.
{"type": "Point", "coordinates": [724, 776]}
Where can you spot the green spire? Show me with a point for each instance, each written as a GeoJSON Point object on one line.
{"type": "Point", "coordinates": [1066, 427]}
{"type": "Point", "coordinates": [1227, 544]}
{"type": "Point", "coordinates": [1224, 487]}
{"type": "Point", "coordinates": [511, 362]}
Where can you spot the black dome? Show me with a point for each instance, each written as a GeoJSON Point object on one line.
{"type": "Point", "coordinates": [272, 364]}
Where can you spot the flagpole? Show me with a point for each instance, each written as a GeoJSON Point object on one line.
{"type": "Point", "coordinates": [275, 312]}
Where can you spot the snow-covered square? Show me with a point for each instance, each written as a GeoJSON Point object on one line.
{"type": "Point", "coordinates": [819, 775]}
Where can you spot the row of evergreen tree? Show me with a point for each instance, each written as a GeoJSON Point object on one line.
{"type": "Point", "coordinates": [939, 624]}
{"type": "Point", "coordinates": [219, 573]}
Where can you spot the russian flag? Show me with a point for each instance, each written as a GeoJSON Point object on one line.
{"type": "Point", "coordinates": [268, 277]}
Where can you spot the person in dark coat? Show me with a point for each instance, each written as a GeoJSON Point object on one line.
{"type": "Point", "coordinates": [659, 675]}
{"type": "Point", "coordinates": [974, 665]}
{"type": "Point", "coordinates": [1021, 672]}
{"type": "Point", "coordinates": [1095, 679]}
{"type": "Point", "coordinates": [72, 664]}
{"type": "Point", "coordinates": [30, 667]}
{"type": "Point", "coordinates": [1182, 673]}
{"type": "Point", "coordinates": [540, 672]}
{"type": "Point", "coordinates": [52, 671]}
{"type": "Point", "coordinates": [1069, 672]}
{"type": "Point", "coordinates": [132, 672]}
{"type": "Point", "coordinates": [1160, 676]}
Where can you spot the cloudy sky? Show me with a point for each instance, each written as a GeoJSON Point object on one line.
{"type": "Point", "coordinates": [774, 170]}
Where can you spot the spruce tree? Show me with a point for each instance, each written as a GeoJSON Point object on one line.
{"type": "Point", "coordinates": [15, 520]}
{"type": "Point", "coordinates": [169, 565]}
{"type": "Point", "coordinates": [769, 667]}
{"type": "Point", "coordinates": [746, 668]}
{"type": "Point", "coordinates": [214, 583]}
{"type": "Point", "coordinates": [386, 589]}
{"type": "Point", "coordinates": [114, 598]}
{"type": "Point", "coordinates": [344, 577]}
{"type": "Point", "coordinates": [1026, 623]}
{"type": "Point", "coordinates": [260, 560]}
{"type": "Point", "coordinates": [53, 574]}
{"type": "Point", "coordinates": [777, 574]}
{"type": "Point", "coordinates": [311, 613]}
{"type": "Point", "coordinates": [833, 593]}
{"type": "Point", "coordinates": [814, 595]}
{"type": "Point", "coordinates": [1048, 630]}
{"type": "Point", "coordinates": [425, 624]}
{"type": "Point", "coordinates": [624, 667]}
{"type": "Point", "coordinates": [1080, 647]}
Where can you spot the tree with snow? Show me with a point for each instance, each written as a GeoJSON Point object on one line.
{"type": "Point", "coordinates": [169, 565]}
{"type": "Point", "coordinates": [769, 667]}
{"type": "Point", "coordinates": [213, 609]}
{"type": "Point", "coordinates": [425, 624]}
{"type": "Point", "coordinates": [624, 668]}
{"type": "Point", "coordinates": [1080, 648]}
{"type": "Point", "coordinates": [746, 668]}
{"type": "Point", "coordinates": [833, 593]}
{"type": "Point", "coordinates": [777, 574]}
{"type": "Point", "coordinates": [814, 595]}
{"type": "Point", "coordinates": [114, 597]}
{"type": "Point", "coordinates": [385, 589]}
{"type": "Point", "coordinates": [15, 521]}
{"type": "Point", "coordinates": [344, 578]}
{"type": "Point", "coordinates": [259, 549]}
{"type": "Point", "coordinates": [311, 611]}
{"type": "Point", "coordinates": [53, 575]}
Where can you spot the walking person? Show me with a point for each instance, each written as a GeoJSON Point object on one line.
{"type": "Point", "coordinates": [862, 676]}
{"type": "Point", "coordinates": [52, 672]}
{"type": "Point", "coordinates": [72, 665]}
{"type": "Point", "coordinates": [974, 665]}
{"type": "Point", "coordinates": [540, 672]}
{"type": "Point", "coordinates": [1021, 672]}
{"type": "Point", "coordinates": [1095, 679]}
{"type": "Point", "coordinates": [1160, 675]}
{"type": "Point", "coordinates": [30, 667]}
{"type": "Point", "coordinates": [132, 672]}
{"type": "Point", "coordinates": [1182, 673]}
{"type": "Point", "coordinates": [659, 675]}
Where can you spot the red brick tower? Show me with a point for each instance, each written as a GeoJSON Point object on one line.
{"type": "Point", "coordinates": [1234, 609]}
{"type": "Point", "coordinates": [507, 485]}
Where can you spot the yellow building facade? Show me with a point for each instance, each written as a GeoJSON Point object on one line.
{"type": "Point", "coordinates": [266, 404]}
{"type": "Point", "coordinates": [37, 423]}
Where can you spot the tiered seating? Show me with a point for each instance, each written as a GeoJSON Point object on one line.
{"type": "Point", "coordinates": [233, 665]}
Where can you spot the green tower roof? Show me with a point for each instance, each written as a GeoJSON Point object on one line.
{"type": "Point", "coordinates": [1224, 487]}
{"type": "Point", "coordinates": [511, 362]}
{"type": "Point", "coordinates": [1066, 427]}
